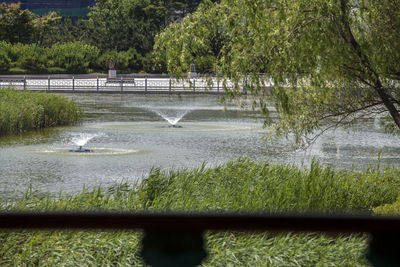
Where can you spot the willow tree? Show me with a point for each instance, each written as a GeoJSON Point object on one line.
{"type": "Point", "coordinates": [198, 38]}
{"type": "Point", "coordinates": [326, 62]}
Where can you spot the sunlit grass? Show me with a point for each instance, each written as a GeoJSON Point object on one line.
{"type": "Point", "coordinates": [238, 186]}
{"type": "Point", "coordinates": [22, 111]}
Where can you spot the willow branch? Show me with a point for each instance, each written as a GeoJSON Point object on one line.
{"type": "Point", "coordinates": [348, 112]}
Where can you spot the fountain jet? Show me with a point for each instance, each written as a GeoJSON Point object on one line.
{"type": "Point", "coordinates": [81, 141]}
{"type": "Point", "coordinates": [172, 119]}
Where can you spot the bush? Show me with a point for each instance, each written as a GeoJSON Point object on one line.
{"type": "Point", "coordinates": [73, 57]}
{"type": "Point", "coordinates": [151, 66]}
{"type": "Point", "coordinates": [70, 57]}
{"type": "Point", "coordinates": [392, 209]}
{"type": "Point", "coordinates": [31, 58]}
{"type": "Point", "coordinates": [17, 70]}
{"type": "Point", "coordinates": [125, 61]}
{"type": "Point", "coordinates": [4, 61]}
{"type": "Point", "coordinates": [56, 70]}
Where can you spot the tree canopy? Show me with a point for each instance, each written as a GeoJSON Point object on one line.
{"type": "Point", "coordinates": [125, 24]}
{"type": "Point", "coordinates": [198, 38]}
{"type": "Point", "coordinates": [121, 25]}
{"type": "Point", "coordinates": [124, 29]}
{"type": "Point", "coordinates": [16, 25]}
{"type": "Point", "coordinates": [330, 62]}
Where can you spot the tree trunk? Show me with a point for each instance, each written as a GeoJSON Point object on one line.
{"type": "Point", "coordinates": [349, 38]}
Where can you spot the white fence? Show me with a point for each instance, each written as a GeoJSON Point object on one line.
{"type": "Point", "coordinates": [123, 83]}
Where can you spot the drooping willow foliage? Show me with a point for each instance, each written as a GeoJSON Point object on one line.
{"type": "Point", "coordinates": [322, 64]}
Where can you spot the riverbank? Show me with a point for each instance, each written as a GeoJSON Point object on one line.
{"type": "Point", "coordinates": [238, 186]}
{"type": "Point", "coordinates": [22, 111]}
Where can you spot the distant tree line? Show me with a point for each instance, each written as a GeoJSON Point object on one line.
{"type": "Point", "coordinates": [120, 29]}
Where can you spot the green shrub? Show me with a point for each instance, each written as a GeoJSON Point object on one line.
{"type": "Point", "coordinates": [56, 70]}
{"type": "Point", "coordinates": [60, 58]}
{"type": "Point", "coordinates": [150, 65]}
{"type": "Point", "coordinates": [4, 61]}
{"type": "Point", "coordinates": [32, 58]}
{"type": "Point", "coordinates": [391, 209]}
{"type": "Point", "coordinates": [73, 57]}
{"type": "Point", "coordinates": [17, 70]}
{"type": "Point", "coordinates": [125, 61]}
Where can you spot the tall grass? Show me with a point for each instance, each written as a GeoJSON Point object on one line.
{"type": "Point", "coordinates": [242, 186]}
{"type": "Point", "coordinates": [22, 111]}
{"type": "Point", "coordinates": [245, 186]}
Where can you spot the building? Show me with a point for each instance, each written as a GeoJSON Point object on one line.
{"type": "Point", "coordinates": [67, 8]}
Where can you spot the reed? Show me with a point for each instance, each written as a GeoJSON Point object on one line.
{"type": "Point", "coordinates": [239, 186]}
{"type": "Point", "coordinates": [21, 111]}
{"type": "Point", "coordinates": [244, 185]}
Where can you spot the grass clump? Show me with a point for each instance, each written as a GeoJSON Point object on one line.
{"type": "Point", "coordinates": [238, 186]}
{"type": "Point", "coordinates": [247, 186]}
{"type": "Point", "coordinates": [390, 209]}
{"type": "Point", "coordinates": [22, 111]}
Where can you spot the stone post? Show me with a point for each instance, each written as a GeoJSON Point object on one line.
{"type": "Point", "coordinates": [192, 74]}
{"type": "Point", "coordinates": [112, 73]}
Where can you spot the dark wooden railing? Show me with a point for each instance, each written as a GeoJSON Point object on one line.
{"type": "Point", "coordinates": [177, 235]}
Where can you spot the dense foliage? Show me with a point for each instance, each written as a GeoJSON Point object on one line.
{"type": "Point", "coordinates": [123, 29]}
{"type": "Point", "coordinates": [71, 57]}
{"type": "Point", "coordinates": [259, 187]}
{"type": "Point", "coordinates": [391, 209]}
{"type": "Point", "coordinates": [23, 111]}
{"type": "Point", "coordinates": [331, 62]}
{"type": "Point", "coordinates": [16, 25]}
{"type": "Point", "coordinates": [127, 24]}
{"type": "Point", "coordinates": [197, 39]}
{"type": "Point", "coordinates": [241, 185]}
{"type": "Point", "coordinates": [121, 25]}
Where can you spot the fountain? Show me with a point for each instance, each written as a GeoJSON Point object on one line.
{"type": "Point", "coordinates": [80, 149]}
{"type": "Point", "coordinates": [81, 141]}
{"type": "Point", "coordinates": [174, 118]}
{"type": "Point", "coordinates": [132, 138]}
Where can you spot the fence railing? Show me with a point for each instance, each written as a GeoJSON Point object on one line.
{"type": "Point", "coordinates": [180, 235]}
{"type": "Point", "coordinates": [138, 83]}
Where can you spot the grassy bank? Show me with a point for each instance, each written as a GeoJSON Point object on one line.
{"type": "Point", "coordinates": [241, 185]}
{"type": "Point", "coordinates": [22, 111]}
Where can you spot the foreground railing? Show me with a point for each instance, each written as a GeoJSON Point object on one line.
{"type": "Point", "coordinates": [177, 239]}
{"type": "Point", "coordinates": [138, 83]}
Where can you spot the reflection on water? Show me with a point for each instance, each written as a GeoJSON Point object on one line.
{"type": "Point", "coordinates": [95, 151]}
{"type": "Point", "coordinates": [128, 138]}
{"type": "Point", "coordinates": [185, 127]}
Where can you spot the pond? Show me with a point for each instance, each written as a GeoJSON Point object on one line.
{"type": "Point", "coordinates": [130, 134]}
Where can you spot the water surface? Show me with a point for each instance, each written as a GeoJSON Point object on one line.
{"type": "Point", "coordinates": [129, 136]}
